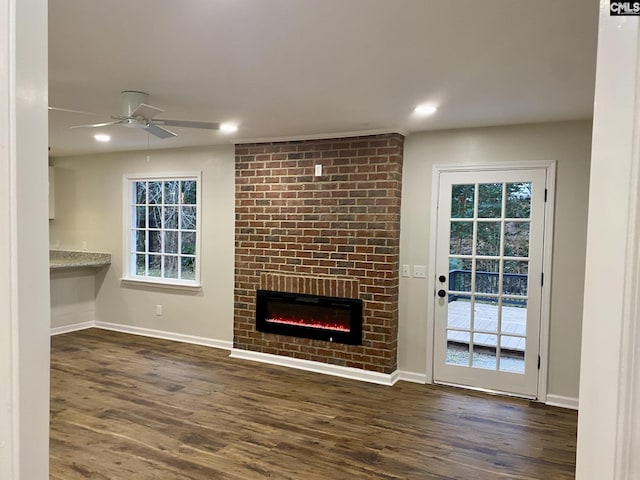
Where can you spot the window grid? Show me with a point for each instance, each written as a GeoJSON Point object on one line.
{"type": "Point", "coordinates": [164, 229]}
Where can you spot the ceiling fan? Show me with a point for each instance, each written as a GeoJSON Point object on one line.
{"type": "Point", "coordinates": [137, 113]}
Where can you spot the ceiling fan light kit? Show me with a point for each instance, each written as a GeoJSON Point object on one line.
{"type": "Point", "coordinates": [137, 113]}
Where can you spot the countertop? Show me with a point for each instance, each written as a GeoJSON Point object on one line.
{"type": "Point", "coordinates": [77, 259]}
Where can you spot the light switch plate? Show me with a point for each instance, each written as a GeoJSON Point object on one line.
{"type": "Point", "coordinates": [405, 271]}
{"type": "Point", "coordinates": [319, 170]}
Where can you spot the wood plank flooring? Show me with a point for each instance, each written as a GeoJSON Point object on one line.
{"type": "Point", "coordinates": [126, 407]}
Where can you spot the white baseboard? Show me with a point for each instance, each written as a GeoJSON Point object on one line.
{"type": "Point", "coordinates": [74, 327]}
{"type": "Point", "coordinates": [560, 401]}
{"type": "Point", "coordinates": [413, 377]}
{"type": "Point", "coordinates": [178, 337]}
{"type": "Point", "coordinates": [318, 367]}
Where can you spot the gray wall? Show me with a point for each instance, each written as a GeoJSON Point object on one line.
{"type": "Point", "coordinates": [89, 209]}
{"type": "Point", "coordinates": [566, 142]}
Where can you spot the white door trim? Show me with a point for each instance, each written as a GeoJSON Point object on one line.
{"type": "Point", "coordinates": [24, 276]}
{"type": "Point", "coordinates": [627, 462]}
{"type": "Point", "coordinates": [609, 420]}
{"type": "Point", "coordinates": [545, 307]}
{"type": "Point", "coordinates": [9, 321]}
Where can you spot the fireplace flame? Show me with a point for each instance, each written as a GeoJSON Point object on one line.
{"type": "Point", "coordinates": [301, 322]}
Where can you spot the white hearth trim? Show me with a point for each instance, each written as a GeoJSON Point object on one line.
{"type": "Point", "coordinates": [388, 379]}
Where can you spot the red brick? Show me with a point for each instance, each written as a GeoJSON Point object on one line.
{"type": "Point", "coordinates": [272, 196]}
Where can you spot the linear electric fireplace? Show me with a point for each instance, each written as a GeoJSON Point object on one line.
{"type": "Point", "coordinates": [309, 316]}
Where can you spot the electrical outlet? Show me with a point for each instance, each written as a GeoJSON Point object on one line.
{"type": "Point", "coordinates": [419, 271]}
{"type": "Point", "coordinates": [405, 271]}
{"type": "Point", "coordinates": [158, 310]}
{"type": "Point", "coordinates": [318, 170]}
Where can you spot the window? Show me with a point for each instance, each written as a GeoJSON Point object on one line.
{"type": "Point", "coordinates": [162, 233]}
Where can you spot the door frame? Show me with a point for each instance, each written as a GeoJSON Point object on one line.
{"type": "Point", "coordinates": [547, 253]}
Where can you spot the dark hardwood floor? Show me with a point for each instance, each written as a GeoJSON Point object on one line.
{"type": "Point", "coordinates": [134, 408]}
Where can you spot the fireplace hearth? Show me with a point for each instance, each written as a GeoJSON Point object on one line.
{"type": "Point", "coordinates": [331, 319]}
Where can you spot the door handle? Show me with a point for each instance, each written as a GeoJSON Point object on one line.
{"type": "Point", "coordinates": [442, 293]}
{"type": "Point", "coordinates": [442, 278]}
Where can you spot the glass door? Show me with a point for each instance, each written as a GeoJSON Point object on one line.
{"type": "Point", "coordinates": [489, 279]}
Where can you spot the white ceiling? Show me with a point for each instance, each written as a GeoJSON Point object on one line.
{"type": "Point", "coordinates": [309, 68]}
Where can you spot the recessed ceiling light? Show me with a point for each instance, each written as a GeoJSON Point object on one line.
{"type": "Point", "coordinates": [102, 137]}
{"type": "Point", "coordinates": [228, 127]}
{"type": "Point", "coordinates": [426, 109]}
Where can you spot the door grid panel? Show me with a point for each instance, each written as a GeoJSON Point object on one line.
{"type": "Point", "coordinates": [489, 246]}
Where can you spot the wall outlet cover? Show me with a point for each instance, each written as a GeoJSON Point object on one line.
{"type": "Point", "coordinates": [419, 271]}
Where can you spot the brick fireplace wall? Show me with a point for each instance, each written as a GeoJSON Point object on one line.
{"type": "Point", "coordinates": [337, 234]}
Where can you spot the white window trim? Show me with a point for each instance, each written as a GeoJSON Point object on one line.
{"type": "Point", "coordinates": [127, 195]}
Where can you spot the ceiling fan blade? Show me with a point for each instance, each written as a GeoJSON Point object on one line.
{"type": "Point", "coordinates": [69, 110]}
{"type": "Point", "coordinates": [159, 132]}
{"type": "Point", "coordinates": [146, 111]}
{"type": "Point", "coordinates": [188, 124]}
{"type": "Point", "coordinates": [97, 125]}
